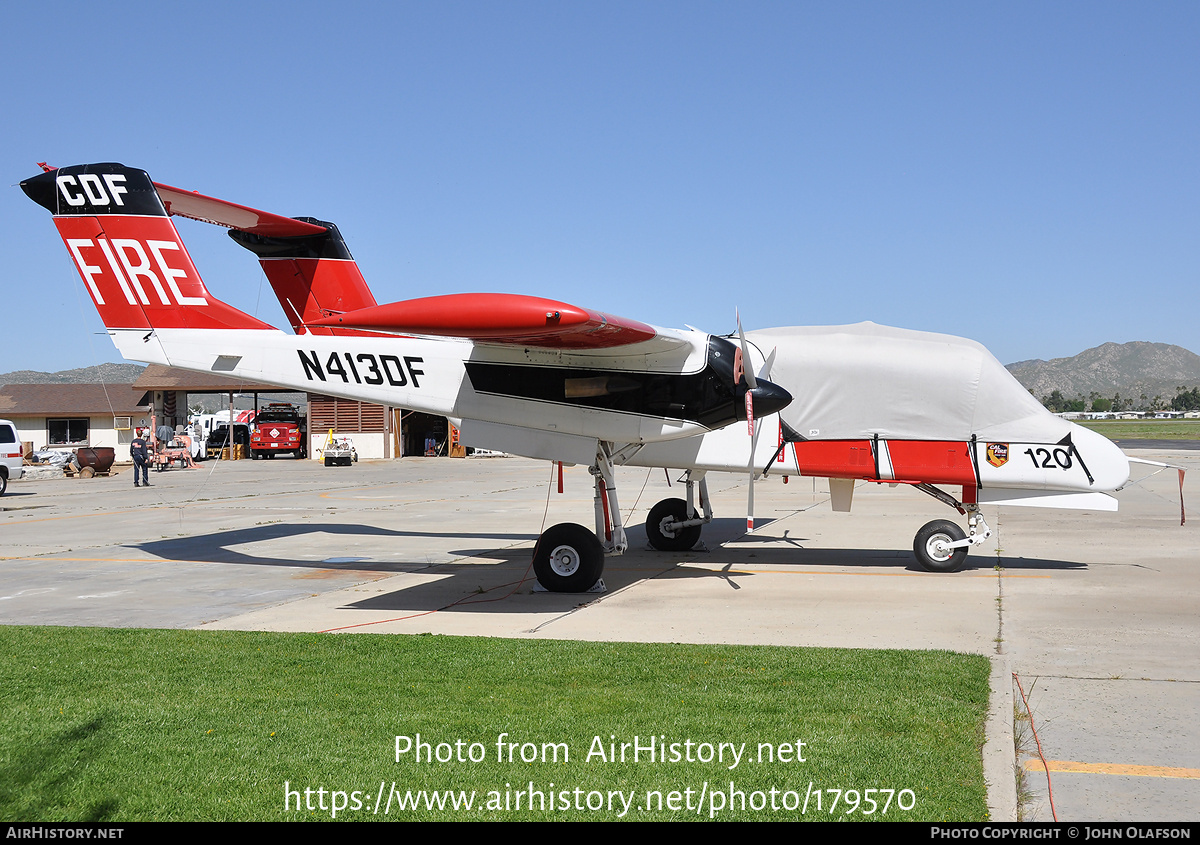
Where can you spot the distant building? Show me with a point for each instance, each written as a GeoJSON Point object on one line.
{"type": "Point", "coordinates": [67, 416]}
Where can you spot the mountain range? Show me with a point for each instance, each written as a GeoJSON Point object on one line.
{"type": "Point", "coordinates": [1130, 369]}
{"type": "Point", "coordinates": [99, 374]}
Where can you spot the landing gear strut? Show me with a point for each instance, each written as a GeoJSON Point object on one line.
{"type": "Point", "coordinates": [569, 558]}
{"type": "Point", "coordinates": [674, 524]}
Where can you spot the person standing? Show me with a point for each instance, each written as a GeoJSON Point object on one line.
{"type": "Point", "coordinates": [140, 452]}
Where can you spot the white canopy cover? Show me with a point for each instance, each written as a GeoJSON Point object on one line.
{"type": "Point", "coordinates": [853, 382]}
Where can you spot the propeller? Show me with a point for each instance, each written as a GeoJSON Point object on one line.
{"type": "Point", "coordinates": [744, 363]}
{"type": "Point", "coordinates": [761, 397]}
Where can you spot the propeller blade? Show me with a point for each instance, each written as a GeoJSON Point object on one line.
{"type": "Point", "coordinates": [751, 471]}
{"type": "Point", "coordinates": [751, 381]}
{"type": "Point", "coordinates": [747, 368]}
{"type": "Point", "coordinates": [750, 499]}
{"type": "Point", "coordinates": [750, 463]}
{"type": "Point", "coordinates": [765, 372]}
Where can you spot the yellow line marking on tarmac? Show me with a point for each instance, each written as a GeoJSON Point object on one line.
{"type": "Point", "coordinates": [49, 557]}
{"type": "Point", "coordinates": [708, 567]}
{"type": "Point", "coordinates": [1035, 765]}
{"type": "Point", "coordinates": [123, 512]}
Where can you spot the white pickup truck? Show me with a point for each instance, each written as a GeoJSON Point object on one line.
{"type": "Point", "coordinates": [11, 465]}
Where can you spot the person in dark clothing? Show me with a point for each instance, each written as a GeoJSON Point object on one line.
{"type": "Point", "coordinates": [140, 452]}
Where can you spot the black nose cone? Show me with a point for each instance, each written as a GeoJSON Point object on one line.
{"type": "Point", "coordinates": [768, 398]}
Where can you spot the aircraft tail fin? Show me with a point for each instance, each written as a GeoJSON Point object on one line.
{"type": "Point", "coordinates": [128, 252]}
{"type": "Point", "coordinates": [314, 275]}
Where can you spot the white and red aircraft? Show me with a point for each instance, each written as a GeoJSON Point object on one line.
{"type": "Point", "coordinates": [549, 380]}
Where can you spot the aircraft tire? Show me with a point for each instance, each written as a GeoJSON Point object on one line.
{"type": "Point", "coordinates": [568, 558]}
{"type": "Point", "coordinates": [925, 546]}
{"type": "Point", "coordinates": [670, 510]}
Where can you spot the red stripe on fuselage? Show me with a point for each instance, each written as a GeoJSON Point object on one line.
{"type": "Point", "coordinates": [913, 461]}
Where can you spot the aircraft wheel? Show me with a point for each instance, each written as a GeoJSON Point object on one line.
{"type": "Point", "coordinates": [680, 540]}
{"type": "Point", "coordinates": [930, 546]}
{"type": "Point", "coordinates": [568, 559]}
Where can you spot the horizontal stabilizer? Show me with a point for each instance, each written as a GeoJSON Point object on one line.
{"type": "Point", "coordinates": [498, 318]}
{"type": "Point", "coordinates": [197, 206]}
{"type": "Point", "coordinates": [78, 191]}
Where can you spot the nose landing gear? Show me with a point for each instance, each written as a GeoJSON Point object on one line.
{"type": "Point", "coordinates": [941, 545]}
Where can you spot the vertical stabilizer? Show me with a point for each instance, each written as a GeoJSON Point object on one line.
{"type": "Point", "coordinates": [314, 276]}
{"type": "Point", "coordinates": [132, 260]}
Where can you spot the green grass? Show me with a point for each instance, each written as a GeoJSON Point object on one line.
{"type": "Point", "coordinates": [127, 725]}
{"type": "Point", "coordinates": [1145, 429]}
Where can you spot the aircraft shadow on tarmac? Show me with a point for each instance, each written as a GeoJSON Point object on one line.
{"type": "Point", "coordinates": [490, 571]}
{"type": "Point", "coordinates": [726, 543]}
{"type": "Point", "coordinates": [476, 587]}
{"type": "Point", "coordinates": [221, 547]}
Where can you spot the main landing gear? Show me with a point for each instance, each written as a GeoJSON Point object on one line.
{"type": "Point", "coordinates": [674, 525]}
{"type": "Point", "coordinates": [941, 545]}
{"type": "Point", "coordinates": [569, 558]}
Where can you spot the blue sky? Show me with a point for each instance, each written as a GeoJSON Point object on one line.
{"type": "Point", "coordinates": [1024, 174]}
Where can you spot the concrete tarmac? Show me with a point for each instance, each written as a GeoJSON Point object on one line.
{"type": "Point", "coordinates": [1094, 613]}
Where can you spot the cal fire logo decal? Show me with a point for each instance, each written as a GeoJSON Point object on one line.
{"type": "Point", "coordinates": [997, 454]}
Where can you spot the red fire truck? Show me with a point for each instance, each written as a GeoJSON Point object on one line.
{"type": "Point", "coordinates": [279, 427]}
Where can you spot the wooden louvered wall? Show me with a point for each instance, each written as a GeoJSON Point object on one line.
{"type": "Point", "coordinates": [343, 415]}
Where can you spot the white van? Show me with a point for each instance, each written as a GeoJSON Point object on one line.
{"type": "Point", "coordinates": [10, 454]}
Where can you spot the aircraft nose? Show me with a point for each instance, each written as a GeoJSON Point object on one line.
{"type": "Point", "coordinates": [1105, 460]}
{"type": "Point", "coordinates": [768, 398]}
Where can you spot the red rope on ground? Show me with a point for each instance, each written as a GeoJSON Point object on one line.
{"type": "Point", "coordinates": [1041, 755]}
